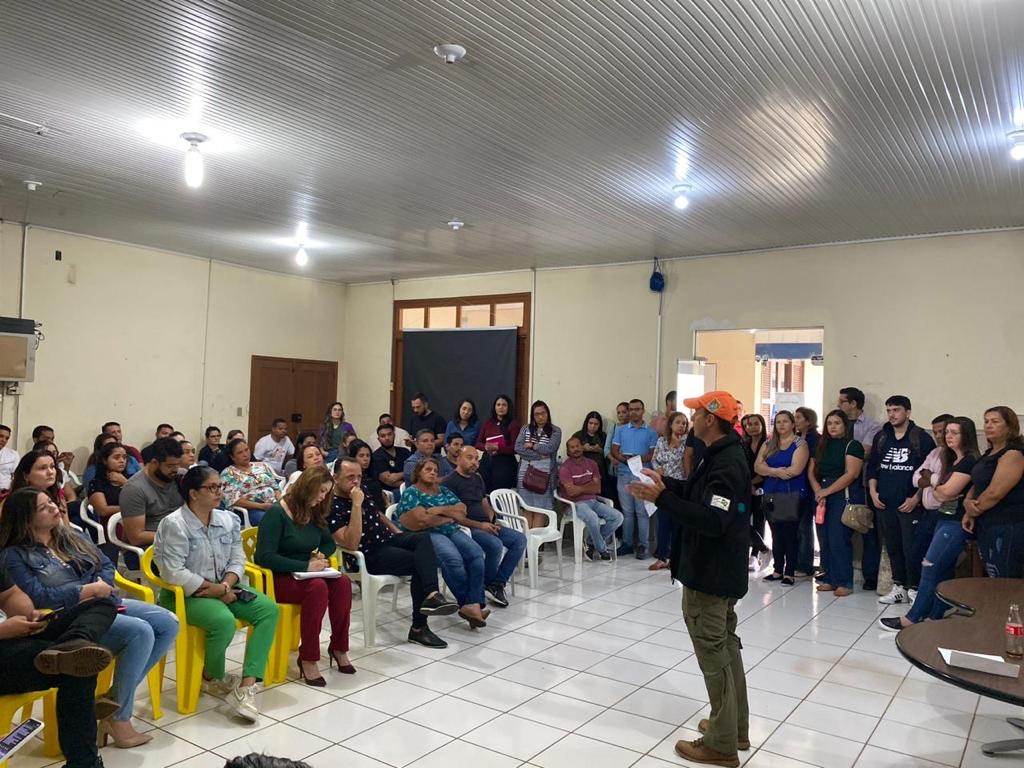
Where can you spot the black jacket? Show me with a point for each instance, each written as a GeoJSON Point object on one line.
{"type": "Point", "coordinates": [712, 511]}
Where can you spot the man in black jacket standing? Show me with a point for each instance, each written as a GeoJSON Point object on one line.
{"type": "Point", "coordinates": [709, 556]}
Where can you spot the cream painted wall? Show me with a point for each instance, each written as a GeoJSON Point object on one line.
{"type": "Point", "coordinates": [895, 336]}
{"type": "Point", "coordinates": [938, 319]}
{"type": "Point", "coordinates": [131, 338]}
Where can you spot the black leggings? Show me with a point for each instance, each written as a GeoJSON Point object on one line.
{"type": "Point", "coordinates": [408, 554]}
{"type": "Point", "coordinates": [757, 545]}
{"type": "Point", "coordinates": [76, 696]}
{"type": "Point", "coordinates": [784, 546]}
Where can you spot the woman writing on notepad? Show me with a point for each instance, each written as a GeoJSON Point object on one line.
{"type": "Point", "coordinates": [294, 539]}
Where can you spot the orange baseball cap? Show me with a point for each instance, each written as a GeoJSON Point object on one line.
{"type": "Point", "coordinates": [718, 403]}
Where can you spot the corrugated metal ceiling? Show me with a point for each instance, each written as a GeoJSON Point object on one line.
{"type": "Point", "coordinates": [557, 140]}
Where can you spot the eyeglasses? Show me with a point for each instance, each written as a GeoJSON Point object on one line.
{"type": "Point", "coordinates": [215, 487]}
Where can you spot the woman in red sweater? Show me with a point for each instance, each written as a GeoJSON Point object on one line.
{"type": "Point", "coordinates": [497, 441]}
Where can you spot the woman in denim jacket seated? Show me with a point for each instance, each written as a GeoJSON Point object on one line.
{"type": "Point", "coordinates": [58, 568]}
{"type": "Point", "coordinates": [199, 548]}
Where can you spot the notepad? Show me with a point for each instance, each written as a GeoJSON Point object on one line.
{"type": "Point", "coordinates": [326, 573]}
{"type": "Point", "coordinates": [981, 662]}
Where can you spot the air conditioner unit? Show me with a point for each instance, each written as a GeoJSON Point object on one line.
{"type": "Point", "coordinates": [19, 339]}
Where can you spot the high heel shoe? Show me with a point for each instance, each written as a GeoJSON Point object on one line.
{"type": "Point", "coordinates": [105, 733]}
{"type": "Point", "coordinates": [316, 682]}
{"type": "Point", "coordinates": [345, 669]}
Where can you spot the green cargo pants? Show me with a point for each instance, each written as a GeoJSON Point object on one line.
{"type": "Point", "coordinates": [711, 621]}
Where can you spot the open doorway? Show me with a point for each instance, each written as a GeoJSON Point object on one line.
{"type": "Point", "coordinates": [767, 369]}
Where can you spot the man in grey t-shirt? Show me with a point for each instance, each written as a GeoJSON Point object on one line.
{"type": "Point", "coordinates": [152, 494]}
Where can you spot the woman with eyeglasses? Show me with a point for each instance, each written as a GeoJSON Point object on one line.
{"type": "Point", "coordinates": [249, 484]}
{"type": "Point", "coordinates": [199, 548]}
{"type": "Point", "coordinates": [60, 568]}
{"type": "Point", "coordinates": [781, 462]}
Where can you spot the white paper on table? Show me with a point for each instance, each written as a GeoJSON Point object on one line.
{"type": "Point", "coordinates": [981, 662]}
{"type": "Point", "coordinates": [636, 466]}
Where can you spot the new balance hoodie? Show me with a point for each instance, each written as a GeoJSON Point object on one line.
{"type": "Point", "coordinates": [893, 461]}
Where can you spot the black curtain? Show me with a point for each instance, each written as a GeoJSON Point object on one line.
{"type": "Point", "coordinates": [450, 365]}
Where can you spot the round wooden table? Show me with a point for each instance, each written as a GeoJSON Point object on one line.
{"type": "Point", "coordinates": [978, 627]}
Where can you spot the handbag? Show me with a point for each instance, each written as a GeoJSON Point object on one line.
{"type": "Point", "coordinates": [782, 507]}
{"type": "Point", "coordinates": [857, 516]}
{"type": "Point", "coordinates": [536, 480]}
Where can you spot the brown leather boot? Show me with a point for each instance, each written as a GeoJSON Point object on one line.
{"type": "Point", "coordinates": [743, 744]}
{"type": "Point", "coordinates": [697, 751]}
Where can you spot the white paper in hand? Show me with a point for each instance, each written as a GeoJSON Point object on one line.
{"type": "Point", "coordinates": [636, 466]}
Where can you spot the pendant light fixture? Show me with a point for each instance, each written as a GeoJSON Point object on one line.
{"type": "Point", "coordinates": [194, 159]}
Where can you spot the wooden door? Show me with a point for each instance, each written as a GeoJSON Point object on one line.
{"type": "Point", "coordinates": [298, 391]}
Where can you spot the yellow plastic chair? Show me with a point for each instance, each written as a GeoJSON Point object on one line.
{"type": "Point", "coordinates": [289, 618]}
{"type": "Point", "coordinates": [155, 678]}
{"type": "Point", "coordinates": [190, 646]}
{"type": "Point", "coordinates": [13, 702]}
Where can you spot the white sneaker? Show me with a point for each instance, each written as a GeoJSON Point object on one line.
{"type": "Point", "coordinates": [911, 595]}
{"type": "Point", "coordinates": [764, 559]}
{"type": "Point", "coordinates": [896, 595]}
{"type": "Point", "coordinates": [243, 701]}
{"type": "Point", "coordinates": [223, 687]}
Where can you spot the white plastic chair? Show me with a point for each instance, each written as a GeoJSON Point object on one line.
{"type": "Point", "coordinates": [369, 585]}
{"type": "Point", "coordinates": [507, 503]}
{"type": "Point", "coordinates": [114, 537]}
{"type": "Point", "coordinates": [89, 518]}
{"type": "Point", "coordinates": [578, 527]}
{"type": "Point", "coordinates": [245, 516]}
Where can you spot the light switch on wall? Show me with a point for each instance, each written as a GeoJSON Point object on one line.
{"type": "Point", "coordinates": [239, 411]}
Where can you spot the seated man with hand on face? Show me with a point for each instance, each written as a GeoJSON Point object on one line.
{"type": "Point", "coordinates": [580, 481]}
{"type": "Point", "coordinates": [151, 494]}
{"type": "Point", "coordinates": [484, 526]}
{"type": "Point", "coordinates": [425, 442]}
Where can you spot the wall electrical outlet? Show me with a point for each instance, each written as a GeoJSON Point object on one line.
{"type": "Point", "coordinates": [238, 411]}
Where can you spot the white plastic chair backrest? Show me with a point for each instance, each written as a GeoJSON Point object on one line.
{"type": "Point", "coordinates": [506, 502]}
{"type": "Point", "coordinates": [390, 512]}
{"type": "Point", "coordinates": [389, 498]}
{"type": "Point", "coordinates": [114, 536]}
{"type": "Point", "coordinates": [88, 514]}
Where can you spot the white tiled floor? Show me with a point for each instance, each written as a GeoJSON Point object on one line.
{"type": "Point", "coordinates": [597, 671]}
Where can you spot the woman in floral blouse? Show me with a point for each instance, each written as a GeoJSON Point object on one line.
{"type": "Point", "coordinates": [249, 484]}
{"type": "Point", "coordinates": [668, 460]}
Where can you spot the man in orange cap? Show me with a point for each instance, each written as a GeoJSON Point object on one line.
{"type": "Point", "coordinates": [709, 556]}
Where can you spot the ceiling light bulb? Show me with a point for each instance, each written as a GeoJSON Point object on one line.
{"type": "Point", "coordinates": [1017, 140]}
{"type": "Point", "coordinates": [301, 257]}
{"type": "Point", "coordinates": [456, 225]}
{"type": "Point", "coordinates": [194, 160]}
{"type": "Point", "coordinates": [682, 193]}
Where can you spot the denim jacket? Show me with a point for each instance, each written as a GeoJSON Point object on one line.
{"type": "Point", "coordinates": [49, 581]}
{"type": "Point", "coordinates": [187, 552]}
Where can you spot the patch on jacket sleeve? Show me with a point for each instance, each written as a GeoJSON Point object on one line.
{"type": "Point", "coordinates": [721, 502]}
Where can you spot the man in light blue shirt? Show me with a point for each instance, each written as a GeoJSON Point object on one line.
{"type": "Point", "coordinates": [633, 439]}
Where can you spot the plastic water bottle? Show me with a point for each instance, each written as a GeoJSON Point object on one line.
{"type": "Point", "coordinates": [1014, 633]}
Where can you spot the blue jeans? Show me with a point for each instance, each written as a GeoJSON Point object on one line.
{"type": "Point", "coordinates": [938, 566]}
{"type": "Point", "coordinates": [601, 521]}
{"type": "Point", "coordinates": [139, 638]}
{"type": "Point", "coordinates": [837, 546]}
{"type": "Point", "coordinates": [1002, 548]}
{"type": "Point", "coordinates": [634, 515]}
{"type": "Point", "coordinates": [498, 569]}
{"type": "Point", "coordinates": [462, 564]}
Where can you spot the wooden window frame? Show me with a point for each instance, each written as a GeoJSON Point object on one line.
{"type": "Point", "coordinates": [522, 338]}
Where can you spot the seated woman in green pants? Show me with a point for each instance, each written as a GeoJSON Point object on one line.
{"type": "Point", "coordinates": [199, 547]}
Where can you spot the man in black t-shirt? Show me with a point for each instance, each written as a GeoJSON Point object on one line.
{"type": "Point", "coordinates": [388, 461]}
{"type": "Point", "coordinates": [387, 550]}
{"type": "Point", "coordinates": [424, 418]}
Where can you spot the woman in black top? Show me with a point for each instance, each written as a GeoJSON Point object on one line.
{"type": "Point", "coordinates": [994, 508]}
{"type": "Point", "coordinates": [755, 432]}
{"type": "Point", "coordinates": [958, 456]}
{"type": "Point", "coordinates": [592, 436]}
{"type": "Point", "coordinates": [105, 488]}
{"type": "Point", "coordinates": [212, 448]}
{"type": "Point", "coordinates": [360, 451]}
